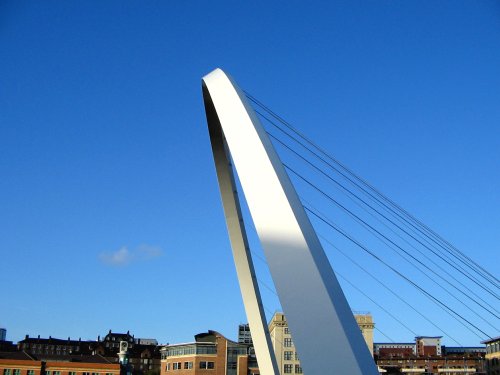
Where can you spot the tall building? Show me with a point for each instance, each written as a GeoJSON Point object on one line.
{"type": "Point", "coordinates": [287, 357]}
{"type": "Point", "coordinates": [3, 334]}
{"type": "Point", "coordinates": [211, 354]}
{"type": "Point", "coordinates": [365, 323]}
{"type": "Point", "coordinates": [244, 335]}
{"type": "Point", "coordinates": [428, 345]}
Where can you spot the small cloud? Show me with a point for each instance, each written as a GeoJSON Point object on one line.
{"type": "Point", "coordinates": [119, 257]}
{"type": "Point", "coordinates": [124, 256]}
{"type": "Point", "coordinates": [149, 252]}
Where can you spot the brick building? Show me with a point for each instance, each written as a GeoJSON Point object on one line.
{"type": "Point", "coordinates": [143, 355]}
{"type": "Point", "coordinates": [427, 356]}
{"type": "Point", "coordinates": [210, 353]}
{"type": "Point", "coordinates": [21, 363]}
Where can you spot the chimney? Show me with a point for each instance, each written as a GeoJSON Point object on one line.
{"type": "Point", "coordinates": [27, 337]}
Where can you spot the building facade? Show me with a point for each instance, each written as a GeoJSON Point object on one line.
{"type": "Point", "coordinates": [244, 334]}
{"type": "Point", "coordinates": [20, 363]}
{"type": "Point", "coordinates": [3, 334]}
{"type": "Point", "coordinates": [143, 355]}
{"type": "Point", "coordinates": [386, 349]}
{"type": "Point", "coordinates": [492, 356]}
{"type": "Point", "coordinates": [211, 354]}
{"type": "Point", "coordinates": [427, 356]}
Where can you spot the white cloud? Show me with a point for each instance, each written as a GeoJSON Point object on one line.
{"type": "Point", "coordinates": [149, 252]}
{"type": "Point", "coordinates": [124, 256]}
{"type": "Point", "coordinates": [120, 257]}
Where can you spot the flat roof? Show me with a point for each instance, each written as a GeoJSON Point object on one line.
{"type": "Point", "coordinates": [491, 340]}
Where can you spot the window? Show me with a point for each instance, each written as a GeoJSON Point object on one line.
{"type": "Point", "coordinates": [30, 372]}
{"type": "Point", "coordinates": [288, 355]}
{"type": "Point", "coordinates": [207, 365]}
{"type": "Point", "coordinates": [287, 331]}
{"type": "Point", "coordinates": [48, 373]}
{"type": "Point", "coordinates": [288, 369]}
{"type": "Point", "coordinates": [94, 373]}
{"type": "Point", "coordinates": [7, 371]}
{"type": "Point", "coordinates": [296, 356]}
{"type": "Point", "coordinates": [298, 369]}
{"type": "Point", "coordinates": [287, 343]}
{"type": "Point", "coordinates": [17, 371]}
{"type": "Point", "coordinates": [57, 372]}
{"type": "Point", "coordinates": [177, 366]}
{"type": "Point", "coordinates": [168, 367]}
{"type": "Point", "coordinates": [188, 365]}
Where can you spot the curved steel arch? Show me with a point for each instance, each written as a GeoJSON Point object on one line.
{"type": "Point", "coordinates": [324, 329]}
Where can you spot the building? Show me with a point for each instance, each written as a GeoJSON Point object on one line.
{"type": "Point", "coordinates": [464, 350]}
{"type": "Point", "coordinates": [427, 356]}
{"type": "Point", "coordinates": [210, 353]}
{"type": "Point", "coordinates": [143, 355]}
{"type": "Point", "coordinates": [5, 346]}
{"type": "Point", "coordinates": [3, 334]}
{"type": "Point", "coordinates": [287, 357]}
{"type": "Point", "coordinates": [244, 335]}
{"type": "Point", "coordinates": [428, 345]}
{"type": "Point", "coordinates": [21, 363]}
{"type": "Point", "coordinates": [365, 323]}
{"type": "Point", "coordinates": [492, 356]}
{"type": "Point", "coordinates": [388, 349]}
{"type": "Point", "coordinates": [40, 346]}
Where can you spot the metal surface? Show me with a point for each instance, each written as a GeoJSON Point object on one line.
{"type": "Point", "coordinates": [324, 330]}
{"type": "Point", "coordinates": [239, 243]}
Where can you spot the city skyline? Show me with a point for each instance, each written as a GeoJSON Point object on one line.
{"type": "Point", "coordinates": [111, 217]}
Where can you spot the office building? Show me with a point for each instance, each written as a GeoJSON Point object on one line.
{"type": "Point", "coordinates": [210, 353]}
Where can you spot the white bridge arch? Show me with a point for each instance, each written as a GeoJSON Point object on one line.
{"type": "Point", "coordinates": [324, 329]}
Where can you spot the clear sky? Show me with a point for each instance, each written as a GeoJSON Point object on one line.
{"type": "Point", "coordinates": [110, 216]}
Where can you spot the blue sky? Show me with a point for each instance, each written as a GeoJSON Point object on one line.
{"type": "Point", "coordinates": [110, 214]}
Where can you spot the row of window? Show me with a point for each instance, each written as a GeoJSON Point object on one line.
{"type": "Point", "coordinates": [51, 347]}
{"type": "Point", "coordinates": [188, 350]}
{"type": "Point", "coordinates": [288, 355]}
{"type": "Point", "coordinates": [17, 371]}
{"type": "Point", "coordinates": [493, 347]}
{"type": "Point", "coordinates": [189, 365]}
{"type": "Point", "coordinates": [288, 369]}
